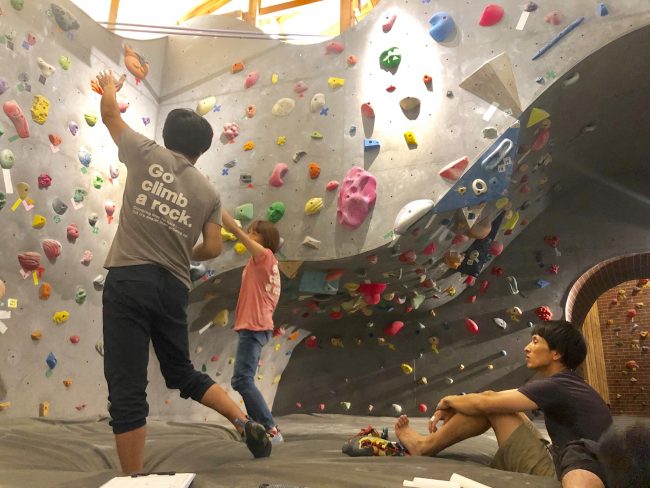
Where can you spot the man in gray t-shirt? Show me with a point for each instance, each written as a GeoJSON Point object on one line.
{"type": "Point", "coordinates": [167, 205]}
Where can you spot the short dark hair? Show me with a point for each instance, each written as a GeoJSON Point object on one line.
{"type": "Point", "coordinates": [623, 453]}
{"type": "Point", "coordinates": [269, 233]}
{"type": "Point", "coordinates": [564, 338]}
{"type": "Point", "coordinates": [186, 132]}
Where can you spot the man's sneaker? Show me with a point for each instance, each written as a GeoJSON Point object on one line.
{"type": "Point", "coordinates": [256, 439]}
{"type": "Point", "coordinates": [275, 435]}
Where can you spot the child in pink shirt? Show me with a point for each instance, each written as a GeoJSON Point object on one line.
{"type": "Point", "coordinates": [258, 296]}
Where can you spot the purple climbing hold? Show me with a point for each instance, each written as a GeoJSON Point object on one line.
{"type": "Point", "coordinates": [4, 85]}
{"type": "Point", "coordinates": [530, 7]}
{"type": "Point", "coordinates": [442, 26]}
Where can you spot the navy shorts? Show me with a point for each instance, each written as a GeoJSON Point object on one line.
{"type": "Point", "coordinates": [143, 304]}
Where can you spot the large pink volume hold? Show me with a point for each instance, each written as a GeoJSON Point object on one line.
{"type": "Point", "coordinates": [356, 198]}
{"type": "Point", "coordinates": [16, 115]}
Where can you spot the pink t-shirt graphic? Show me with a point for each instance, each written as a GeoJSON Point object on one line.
{"type": "Point", "coordinates": [259, 293]}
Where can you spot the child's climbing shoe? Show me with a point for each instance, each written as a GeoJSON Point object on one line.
{"type": "Point", "coordinates": [256, 439]}
{"type": "Point", "coordinates": [368, 442]}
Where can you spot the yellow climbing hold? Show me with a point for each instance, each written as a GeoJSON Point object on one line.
{"type": "Point", "coordinates": [221, 318]}
{"type": "Point", "coordinates": [249, 146]}
{"type": "Point", "coordinates": [351, 287]}
{"type": "Point", "coordinates": [501, 203]}
{"type": "Point", "coordinates": [536, 116]}
{"type": "Point", "coordinates": [313, 206]}
{"type": "Point", "coordinates": [406, 368]}
{"type": "Point", "coordinates": [44, 409]}
{"type": "Point", "coordinates": [282, 140]}
{"type": "Point", "coordinates": [91, 119]}
{"type": "Point", "coordinates": [276, 379]}
{"type": "Point", "coordinates": [38, 222]}
{"type": "Point", "coordinates": [240, 248]}
{"type": "Point", "coordinates": [277, 347]}
{"type": "Point", "coordinates": [4, 405]}
{"type": "Point", "coordinates": [61, 316]}
{"type": "Point", "coordinates": [227, 236]}
{"type": "Point", "coordinates": [335, 82]}
{"type": "Point", "coordinates": [511, 222]}
{"type": "Point", "coordinates": [40, 109]}
{"type": "Point", "coordinates": [274, 78]}
{"type": "Point", "coordinates": [346, 405]}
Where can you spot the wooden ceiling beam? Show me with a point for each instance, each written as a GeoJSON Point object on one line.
{"type": "Point", "coordinates": [284, 6]}
{"type": "Point", "coordinates": [112, 13]}
{"type": "Point", "coordinates": [204, 8]}
{"type": "Point", "coordinates": [347, 15]}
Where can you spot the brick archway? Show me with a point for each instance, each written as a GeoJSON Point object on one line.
{"type": "Point", "coordinates": [600, 278]}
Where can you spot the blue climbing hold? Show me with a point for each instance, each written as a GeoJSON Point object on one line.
{"type": "Point", "coordinates": [51, 360]}
{"type": "Point", "coordinates": [369, 144]}
{"type": "Point", "coordinates": [542, 283]}
{"type": "Point", "coordinates": [442, 26]}
{"type": "Point", "coordinates": [602, 9]}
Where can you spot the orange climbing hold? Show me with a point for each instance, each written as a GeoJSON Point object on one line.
{"type": "Point", "coordinates": [314, 170]}
{"type": "Point", "coordinates": [45, 291]}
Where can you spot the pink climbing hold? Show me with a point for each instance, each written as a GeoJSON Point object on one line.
{"type": "Point", "coordinates": [542, 139]}
{"type": "Point", "coordinates": [454, 170]}
{"type": "Point", "coordinates": [430, 249]}
{"type": "Point", "coordinates": [367, 111]}
{"type": "Point", "coordinates": [16, 115]}
{"type": "Point", "coordinates": [332, 185]}
{"type": "Point", "coordinates": [492, 15]}
{"type": "Point", "coordinates": [389, 24]}
{"type": "Point", "coordinates": [300, 88]}
{"type": "Point", "coordinates": [277, 176]}
{"type": "Point", "coordinates": [394, 328]}
{"type": "Point", "coordinates": [422, 408]}
{"type": "Point", "coordinates": [334, 47]}
{"type": "Point", "coordinates": [471, 326]}
{"type": "Point", "coordinates": [372, 292]}
{"type": "Point", "coordinates": [44, 181]}
{"type": "Point", "coordinates": [356, 198]}
{"type": "Point", "coordinates": [72, 232]}
{"type": "Point", "coordinates": [52, 248]}
{"type": "Point", "coordinates": [553, 18]}
{"type": "Point", "coordinates": [251, 78]}
{"type": "Point", "coordinates": [496, 248]}
{"type": "Point", "coordinates": [29, 261]}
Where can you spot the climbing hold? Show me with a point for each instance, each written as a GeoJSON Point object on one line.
{"type": "Point", "coordinates": [63, 18]}
{"type": "Point", "coordinates": [3, 200]}
{"type": "Point", "coordinates": [226, 236]}
{"type": "Point", "coordinates": [59, 206]}
{"type": "Point", "coordinates": [442, 26]}
{"type": "Point", "coordinates": [602, 10]}
{"type": "Point", "coordinates": [45, 291]}
{"type": "Point", "coordinates": [313, 206]}
{"type": "Point", "coordinates": [542, 283]}
{"type": "Point", "coordinates": [40, 109]}
{"type": "Point", "coordinates": [73, 127]}
{"type": "Point", "coordinates": [275, 211]}
{"type": "Point", "coordinates": [314, 170]}
{"type": "Point", "coordinates": [244, 211]}
{"type": "Point", "coordinates": [367, 111]}
{"type": "Point", "coordinates": [410, 214]}
{"type": "Point", "coordinates": [311, 242]}
{"type": "Point", "coordinates": [369, 144]}
{"type": "Point", "coordinates": [38, 222]}
{"type": "Point", "coordinates": [17, 117]}
{"type": "Point", "coordinates": [372, 292]}
{"type": "Point", "coordinates": [356, 198]}
{"type": "Point", "coordinates": [471, 326]}
{"type": "Point", "coordinates": [248, 146]}
{"type": "Point", "coordinates": [80, 296]}
{"type": "Point", "coordinates": [135, 63]}
{"type": "Point", "coordinates": [300, 87]}
{"type": "Point", "coordinates": [65, 62]}
{"type": "Point", "coordinates": [277, 177]}
{"type": "Point", "coordinates": [281, 140]}
{"type": "Point", "coordinates": [98, 281]}
{"type": "Point", "coordinates": [496, 248]}
{"type": "Point", "coordinates": [429, 249]}
{"type": "Point", "coordinates": [479, 187]}
{"type": "Point", "coordinates": [492, 14]}
{"type": "Point", "coordinates": [237, 67]}
{"type": "Point", "coordinates": [352, 60]}
{"type": "Point", "coordinates": [553, 18]}
{"type": "Point", "coordinates": [23, 190]}
{"type": "Point", "coordinates": [205, 105]}
{"type": "Point", "coordinates": [512, 285]}
{"type": "Point", "coordinates": [85, 156]}
{"type": "Point", "coordinates": [230, 130]}
{"type": "Point", "coordinates": [72, 232]}
{"type": "Point", "coordinates": [18, 4]}
{"type": "Point", "coordinates": [60, 317]}
{"type": "Point", "coordinates": [317, 102]}
{"type": "Point", "coordinates": [316, 135]}
{"type": "Point", "coordinates": [544, 313]}
{"type": "Point", "coordinates": [393, 328]}
{"type": "Point", "coordinates": [4, 85]}
{"type": "Point", "coordinates": [554, 269]}
{"type": "Point", "coordinates": [536, 116]}
{"type": "Point", "coordinates": [7, 159]}
{"type": "Point", "coordinates": [410, 139]}
{"type": "Point", "coordinates": [454, 170]}
{"type": "Point", "coordinates": [407, 368]}
{"type": "Point", "coordinates": [221, 318]}
{"type": "Point", "coordinates": [37, 335]}
{"type": "Point", "coordinates": [44, 181]}
{"type": "Point", "coordinates": [311, 342]}
{"type": "Point", "coordinates": [46, 68]}
{"type": "Point", "coordinates": [410, 107]}
{"type": "Point", "coordinates": [530, 7]}
{"type": "Point", "coordinates": [86, 258]}
{"type": "Point", "coordinates": [52, 248]}
{"type": "Point", "coordinates": [298, 155]}
{"type": "Point", "coordinates": [283, 107]}
{"type": "Point", "coordinates": [386, 27]}
{"type": "Point", "coordinates": [500, 322]}
{"type": "Point", "coordinates": [334, 82]}
{"type": "Point", "coordinates": [251, 78]}
{"type": "Point", "coordinates": [334, 47]}
{"type": "Point", "coordinates": [490, 133]}
{"type": "Point", "coordinates": [390, 59]}
{"type": "Point", "coordinates": [557, 38]}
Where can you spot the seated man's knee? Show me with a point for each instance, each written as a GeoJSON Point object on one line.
{"type": "Point", "coordinates": [239, 383]}
{"type": "Point", "coordinates": [581, 478]}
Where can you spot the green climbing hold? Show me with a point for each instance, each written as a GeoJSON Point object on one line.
{"type": "Point", "coordinates": [244, 211]}
{"type": "Point", "coordinates": [80, 296]}
{"type": "Point", "coordinates": [98, 181]}
{"type": "Point", "coordinates": [79, 195]}
{"type": "Point", "coordinates": [275, 211]}
{"type": "Point", "coordinates": [7, 159]}
{"type": "Point", "coordinates": [18, 4]}
{"type": "Point", "coordinates": [316, 135]}
{"type": "Point", "coordinates": [390, 59]}
{"type": "Point", "coordinates": [3, 200]}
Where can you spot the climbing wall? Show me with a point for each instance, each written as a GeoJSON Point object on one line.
{"type": "Point", "coordinates": [398, 161]}
{"type": "Point", "coordinates": [61, 191]}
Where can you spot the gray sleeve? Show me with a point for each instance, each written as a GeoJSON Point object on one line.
{"type": "Point", "coordinates": [134, 147]}
{"type": "Point", "coordinates": [215, 214]}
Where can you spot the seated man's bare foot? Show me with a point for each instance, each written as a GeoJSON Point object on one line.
{"type": "Point", "coordinates": [408, 437]}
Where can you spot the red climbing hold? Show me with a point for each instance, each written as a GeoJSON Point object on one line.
{"type": "Point", "coordinates": [544, 313]}
{"type": "Point", "coordinates": [471, 326]}
{"type": "Point", "coordinates": [491, 15]}
{"type": "Point", "coordinates": [407, 257]}
{"type": "Point", "coordinates": [485, 284]}
{"type": "Point", "coordinates": [470, 280]}
{"type": "Point", "coordinates": [367, 111]}
{"type": "Point", "coordinates": [631, 313]}
{"type": "Point", "coordinates": [311, 342]}
{"type": "Point", "coordinates": [454, 170]}
{"type": "Point", "coordinates": [334, 275]}
{"type": "Point", "coordinates": [336, 314]}
{"type": "Point", "coordinates": [372, 292]}
{"type": "Point", "coordinates": [422, 408]}
{"type": "Point", "coordinates": [496, 248]}
{"type": "Point", "coordinates": [393, 328]}
{"type": "Point", "coordinates": [430, 249]}
{"type": "Point", "coordinates": [75, 339]}
{"type": "Point", "coordinates": [497, 271]}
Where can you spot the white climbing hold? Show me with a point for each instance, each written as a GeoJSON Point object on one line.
{"type": "Point", "coordinates": [500, 322]}
{"type": "Point", "coordinates": [283, 107]}
{"type": "Point", "coordinates": [317, 102]}
{"type": "Point", "coordinates": [205, 105]}
{"type": "Point", "coordinates": [410, 214]}
{"type": "Point", "coordinates": [311, 242]}
{"type": "Point", "coordinates": [397, 408]}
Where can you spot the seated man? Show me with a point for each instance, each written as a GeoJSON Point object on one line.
{"type": "Point", "coordinates": [573, 412]}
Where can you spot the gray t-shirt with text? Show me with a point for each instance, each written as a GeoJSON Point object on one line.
{"type": "Point", "coordinates": [166, 202]}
